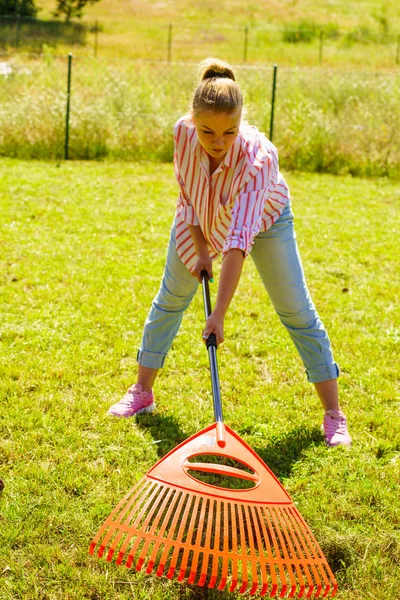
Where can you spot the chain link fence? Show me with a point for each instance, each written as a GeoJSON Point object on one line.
{"type": "Point", "coordinates": [122, 109]}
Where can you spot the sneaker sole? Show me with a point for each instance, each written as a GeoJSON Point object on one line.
{"type": "Point", "coordinates": [334, 445]}
{"type": "Point", "coordinates": [147, 409]}
{"type": "Point", "coordinates": [142, 411]}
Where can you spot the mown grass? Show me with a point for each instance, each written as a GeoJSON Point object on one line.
{"type": "Point", "coordinates": [140, 30]}
{"type": "Point", "coordinates": [368, 12]}
{"type": "Point", "coordinates": [324, 121]}
{"type": "Point", "coordinates": [82, 253]}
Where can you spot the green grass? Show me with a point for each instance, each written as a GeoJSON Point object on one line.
{"type": "Point", "coordinates": [82, 253]}
{"type": "Point", "coordinates": [361, 34]}
{"type": "Point", "coordinates": [368, 12]}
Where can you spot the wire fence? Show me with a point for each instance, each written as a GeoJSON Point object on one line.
{"type": "Point", "coordinates": [303, 45]}
{"type": "Point", "coordinates": [325, 120]}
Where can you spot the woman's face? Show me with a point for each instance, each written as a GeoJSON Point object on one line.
{"type": "Point", "coordinates": [217, 131]}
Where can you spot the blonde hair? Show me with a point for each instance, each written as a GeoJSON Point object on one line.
{"type": "Point", "coordinates": [217, 90]}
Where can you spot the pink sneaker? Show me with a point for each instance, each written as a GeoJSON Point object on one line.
{"type": "Point", "coordinates": [334, 429]}
{"type": "Point", "coordinates": [135, 402]}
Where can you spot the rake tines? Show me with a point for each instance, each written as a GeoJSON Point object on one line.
{"type": "Point", "coordinates": [215, 537]}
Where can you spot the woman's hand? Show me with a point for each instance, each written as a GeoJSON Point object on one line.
{"type": "Point", "coordinates": [232, 265]}
{"type": "Point", "coordinates": [203, 263]}
{"type": "Point", "coordinates": [214, 324]}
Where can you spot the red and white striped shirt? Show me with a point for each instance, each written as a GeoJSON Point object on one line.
{"type": "Point", "coordinates": [245, 195]}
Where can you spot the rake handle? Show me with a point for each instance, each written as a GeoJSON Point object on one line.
{"type": "Point", "coordinates": [211, 343]}
{"type": "Point", "coordinates": [212, 338]}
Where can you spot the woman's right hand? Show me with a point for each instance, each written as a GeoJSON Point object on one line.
{"type": "Point", "coordinates": [203, 263]}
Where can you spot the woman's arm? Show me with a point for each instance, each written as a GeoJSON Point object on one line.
{"type": "Point", "coordinates": [204, 262]}
{"type": "Point", "coordinates": [231, 270]}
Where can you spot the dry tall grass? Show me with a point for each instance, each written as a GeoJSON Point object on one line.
{"type": "Point", "coordinates": [324, 120]}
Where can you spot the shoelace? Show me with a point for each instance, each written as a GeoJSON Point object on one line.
{"type": "Point", "coordinates": [335, 423]}
{"type": "Point", "coordinates": [130, 396]}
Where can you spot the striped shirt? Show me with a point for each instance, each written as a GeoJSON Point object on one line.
{"type": "Point", "coordinates": [245, 195]}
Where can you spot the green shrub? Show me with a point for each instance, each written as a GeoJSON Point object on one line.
{"type": "Point", "coordinates": [23, 8]}
{"type": "Point", "coordinates": [361, 35]}
{"type": "Point", "coordinates": [305, 31]}
{"type": "Point", "coordinates": [331, 31]}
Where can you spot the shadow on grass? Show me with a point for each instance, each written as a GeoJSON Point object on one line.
{"type": "Point", "coordinates": [31, 34]}
{"type": "Point", "coordinates": [192, 592]}
{"type": "Point", "coordinates": [280, 452]}
{"type": "Point", "coordinates": [165, 431]}
{"type": "Point", "coordinates": [283, 451]}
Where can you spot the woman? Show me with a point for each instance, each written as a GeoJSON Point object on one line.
{"type": "Point", "coordinates": [233, 200]}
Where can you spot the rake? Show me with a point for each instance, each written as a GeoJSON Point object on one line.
{"type": "Point", "coordinates": [250, 540]}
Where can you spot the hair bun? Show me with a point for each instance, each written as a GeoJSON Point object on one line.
{"type": "Point", "coordinates": [215, 68]}
{"type": "Point", "coordinates": [211, 73]}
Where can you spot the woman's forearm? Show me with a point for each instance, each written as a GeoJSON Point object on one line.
{"type": "Point", "coordinates": [231, 270]}
{"type": "Point", "coordinates": [199, 241]}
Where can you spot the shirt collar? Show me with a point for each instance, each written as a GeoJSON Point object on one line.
{"type": "Point", "coordinates": [232, 155]}
{"type": "Point", "coordinates": [255, 147]}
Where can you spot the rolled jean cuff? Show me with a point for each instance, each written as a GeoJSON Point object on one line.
{"type": "Point", "coordinates": [151, 360]}
{"type": "Point", "coordinates": [323, 373]}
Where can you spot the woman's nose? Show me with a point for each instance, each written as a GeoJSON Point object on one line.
{"type": "Point", "coordinates": [218, 143]}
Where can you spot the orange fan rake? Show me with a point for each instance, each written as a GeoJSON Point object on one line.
{"type": "Point", "coordinates": [251, 539]}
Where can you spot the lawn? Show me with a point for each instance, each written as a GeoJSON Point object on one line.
{"type": "Point", "coordinates": [82, 247]}
{"type": "Point", "coordinates": [361, 35]}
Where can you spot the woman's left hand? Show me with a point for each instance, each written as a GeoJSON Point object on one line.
{"type": "Point", "coordinates": [214, 324]}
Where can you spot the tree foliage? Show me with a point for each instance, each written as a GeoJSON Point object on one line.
{"type": "Point", "coordinates": [25, 8]}
{"type": "Point", "coordinates": [71, 8]}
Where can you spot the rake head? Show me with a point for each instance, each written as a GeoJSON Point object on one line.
{"type": "Point", "coordinates": [253, 539]}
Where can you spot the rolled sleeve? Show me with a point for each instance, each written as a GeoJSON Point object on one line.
{"type": "Point", "coordinates": [186, 213]}
{"type": "Point", "coordinates": [238, 239]}
{"type": "Point", "coordinates": [246, 221]}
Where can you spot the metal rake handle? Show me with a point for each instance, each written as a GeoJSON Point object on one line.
{"type": "Point", "coordinates": [211, 344]}
{"type": "Point", "coordinates": [212, 338]}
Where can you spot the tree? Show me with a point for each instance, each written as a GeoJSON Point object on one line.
{"type": "Point", "coordinates": [71, 8]}
{"type": "Point", "coordinates": [25, 8]}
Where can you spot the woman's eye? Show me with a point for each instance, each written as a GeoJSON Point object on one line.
{"type": "Point", "coordinates": [211, 132]}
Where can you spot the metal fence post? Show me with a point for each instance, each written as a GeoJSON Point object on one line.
{"type": "Point", "coordinates": [17, 31]}
{"type": "Point", "coordinates": [321, 45]}
{"type": "Point", "coordinates": [68, 107]}
{"type": "Point", "coordinates": [246, 41]}
{"type": "Point", "coordinates": [271, 124]}
{"type": "Point", "coordinates": [169, 42]}
{"type": "Point", "coordinates": [96, 38]}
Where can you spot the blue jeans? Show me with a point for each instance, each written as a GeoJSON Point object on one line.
{"type": "Point", "coordinates": [276, 257]}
